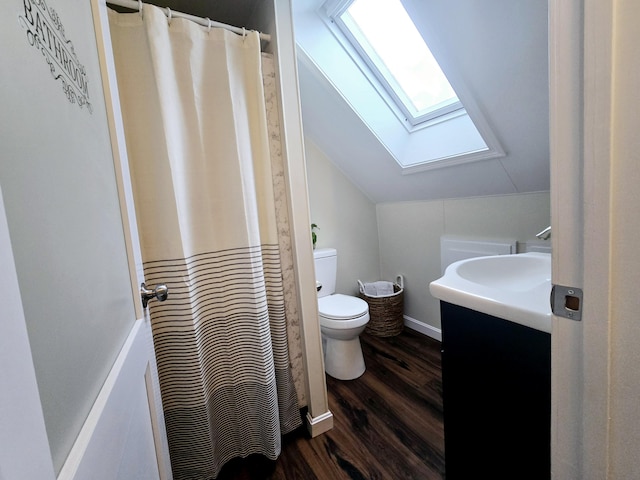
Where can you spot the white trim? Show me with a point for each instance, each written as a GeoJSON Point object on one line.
{"type": "Point", "coordinates": [298, 202]}
{"type": "Point", "coordinates": [108, 416]}
{"type": "Point", "coordinates": [87, 433]}
{"type": "Point", "coordinates": [366, 66]}
{"type": "Point", "coordinates": [387, 80]}
{"type": "Point", "coordinates": [330, 86]}
{"type": "Point", "coordinates": [421, 327]}
{"type": "Point", "coordinates": [566, 75]}
{"type": "Point", "coordinates": [452, 160]}
{"type": "Point", "coordinates": [494, 149]}
{"type": "Point", "coordinates": [334, 8]}
{"type": "Point", "coordinates": [129, 223]}
{"type": "Point", "coordinates": [320, 424]}
{"type": "Point", "coordinates": [373, 80]}
{"type": "Point", "coordinates": [119, 149]}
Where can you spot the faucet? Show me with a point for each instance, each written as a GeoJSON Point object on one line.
{"type": "Point", "coordinates": [544, 234]}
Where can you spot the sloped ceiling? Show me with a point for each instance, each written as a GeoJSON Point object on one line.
{"type": "Point", "coordinates": [500, 49]}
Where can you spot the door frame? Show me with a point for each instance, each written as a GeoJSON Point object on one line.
{"type": "Point", "coordinates": [581, 52]}
{"type": "Point", "coordinates": [565, 137]}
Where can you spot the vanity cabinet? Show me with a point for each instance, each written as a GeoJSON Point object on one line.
{"type": "Point", "coordinates": [496, 378]}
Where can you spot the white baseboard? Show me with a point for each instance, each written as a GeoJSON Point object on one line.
{"type": "Point", "coordinates": [323, 423]}
{"type": "Point", "coordinates": [320, 424]}
{"type": "Point", "coordinates": [423, 328]}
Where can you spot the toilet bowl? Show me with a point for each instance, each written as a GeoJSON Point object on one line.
{"type": "Point", "coordinates": [342, 319]}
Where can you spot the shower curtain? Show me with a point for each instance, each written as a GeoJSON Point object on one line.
{"type": "Point", "coordinates": [194, 114]}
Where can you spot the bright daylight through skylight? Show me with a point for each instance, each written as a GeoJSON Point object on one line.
{"type": "Point", "coordinates": [394, 39]}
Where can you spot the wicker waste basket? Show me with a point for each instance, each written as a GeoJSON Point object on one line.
{"type": "Point", "coordinates": [385, 311]}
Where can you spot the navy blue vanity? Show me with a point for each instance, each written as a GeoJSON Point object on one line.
{"type": "Point", "coordinates": [496, 378]}
{"type": "Point", "coordinates": [496, 367]}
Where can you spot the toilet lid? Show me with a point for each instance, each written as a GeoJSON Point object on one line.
{"type": "Point", "coordinates": [341, 307]}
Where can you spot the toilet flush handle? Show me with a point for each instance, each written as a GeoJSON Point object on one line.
{"type": "Point", "coordinates": [318, 286]}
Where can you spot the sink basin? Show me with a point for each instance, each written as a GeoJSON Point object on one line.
{"type": "Point", "coordinates": [512, 287]}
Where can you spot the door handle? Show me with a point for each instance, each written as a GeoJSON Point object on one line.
{"type": "Point", "coordinates": [161, 292]}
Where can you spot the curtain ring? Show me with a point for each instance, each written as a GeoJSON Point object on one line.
{"type": "Point", "coordinates": [209, 24]}
{"type": "Point", "coordinates": [140, 8]}
{"type": "Point", "coordinates": [169, 15]}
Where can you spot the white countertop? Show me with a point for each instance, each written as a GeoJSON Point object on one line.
{"type": "Point", "coordinates": [512, 287]}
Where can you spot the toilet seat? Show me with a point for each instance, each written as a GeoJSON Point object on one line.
{"type": "Point", "coordinates": [341, 307]}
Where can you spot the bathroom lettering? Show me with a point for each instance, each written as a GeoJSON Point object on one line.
{"type": "Point", "coordinates": [46, 33]}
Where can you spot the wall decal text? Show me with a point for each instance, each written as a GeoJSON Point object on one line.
{"type": "Point", "coordinates": [45, 32]}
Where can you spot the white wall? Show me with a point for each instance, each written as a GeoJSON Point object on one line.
{"type": "Point", "coordinates": [384, 240]}
{"type": "Point", "coordinates": [409, 235]}
{"type": "Point", "coordinates": [346, 218]}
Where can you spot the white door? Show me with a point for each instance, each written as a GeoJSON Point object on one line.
{"type": "Point", "coordinates": [123, 436]}
{"type": "Point", "coordinates": [65, 209]}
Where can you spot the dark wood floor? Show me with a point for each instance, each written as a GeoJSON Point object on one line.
{"type": "Point", "coordinates": [387, 423]}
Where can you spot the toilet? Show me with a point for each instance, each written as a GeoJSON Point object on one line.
{"type": "Point", "coordinates": [342, 320]}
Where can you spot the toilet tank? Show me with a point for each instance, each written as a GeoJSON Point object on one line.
{"type": "Point", "coordinates": [326, 264]}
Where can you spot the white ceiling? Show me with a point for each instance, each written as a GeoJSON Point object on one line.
{"type": "Point", "coordinates": [500, 49]}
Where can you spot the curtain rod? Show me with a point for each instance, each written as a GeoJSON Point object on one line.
{"type": "Point", "coordinates": [205, 22]}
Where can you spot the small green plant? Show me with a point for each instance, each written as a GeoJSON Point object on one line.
{"type": "Point", "coordinates": [314, 237]}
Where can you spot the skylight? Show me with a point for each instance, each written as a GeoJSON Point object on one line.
{"type": "Point", "coordinates": [372, 55]}
{"type": "Point", "coordinates": [385, 36]}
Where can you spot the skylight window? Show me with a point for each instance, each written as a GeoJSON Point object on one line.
{"type": "Point", "coordinates": [386, 38]}
{"type": "Point", "coordinates": [372, 55]}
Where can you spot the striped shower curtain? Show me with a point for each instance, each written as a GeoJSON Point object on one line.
{"type": "Point", "coordinates": [194, 114]}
